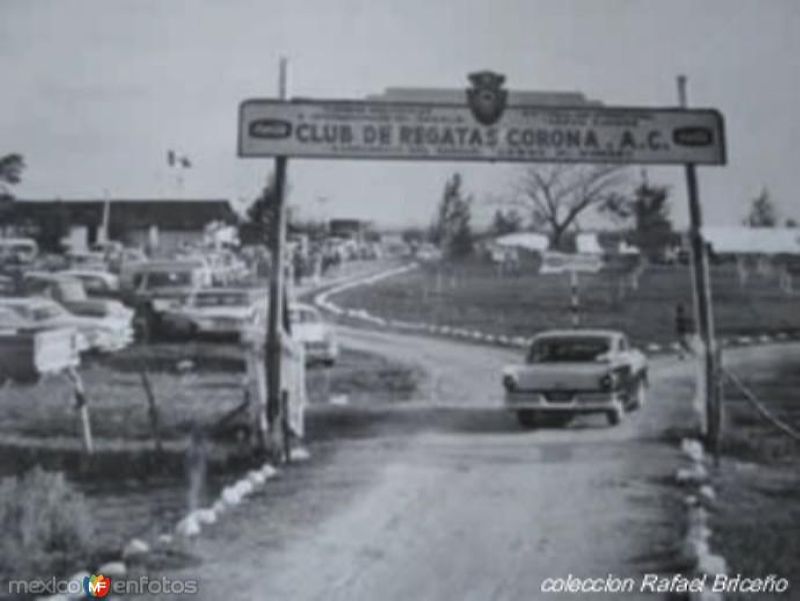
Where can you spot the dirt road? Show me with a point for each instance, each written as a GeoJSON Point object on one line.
{"type": "Point", "coordinates": [447, 498]}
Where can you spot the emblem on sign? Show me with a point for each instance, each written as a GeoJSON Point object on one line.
{"type": "Point", "coordinates": [486, 98]}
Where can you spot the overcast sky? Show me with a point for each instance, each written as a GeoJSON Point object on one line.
{"type": "Point", "coordinates": [94, 92]}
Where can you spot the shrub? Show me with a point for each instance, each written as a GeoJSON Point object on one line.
{"type": "Point", "coordinates": [46, 524]}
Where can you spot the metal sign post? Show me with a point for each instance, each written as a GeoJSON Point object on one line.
{"type": "Point", "coordinates": [276, 296]}
{"type": "Point", "coordinates": [702, 305]}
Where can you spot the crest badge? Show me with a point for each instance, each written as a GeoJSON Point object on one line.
{"type": "Point", "coordinates": [487, 98]}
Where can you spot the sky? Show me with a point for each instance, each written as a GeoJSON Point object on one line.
{"type": "Point", "coordinates": [94, 92]}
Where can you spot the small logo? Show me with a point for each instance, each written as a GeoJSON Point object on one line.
{"type": "Point", "coordinates": [96, 586]}
{"type": "Point", "coordinates": [486, 98]}
{"type": "Point", "coordinates": [693, 136]}
{"type": "Point", "coordinates": [273, 129]}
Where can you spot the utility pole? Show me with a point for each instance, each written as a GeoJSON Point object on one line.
{"type": "Point", "coordinates": [276, 284]}
{"type": "Point", "coordinates": [704, 317]}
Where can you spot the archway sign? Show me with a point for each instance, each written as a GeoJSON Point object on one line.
{"type": "Point", "coordinates": [484, 127]}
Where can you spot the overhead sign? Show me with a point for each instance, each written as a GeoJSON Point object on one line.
{"type": "Point", "coordinates": [481, 129]}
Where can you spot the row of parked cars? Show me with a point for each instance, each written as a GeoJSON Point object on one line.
{"type": "Point", "coordinates": [48, 318]}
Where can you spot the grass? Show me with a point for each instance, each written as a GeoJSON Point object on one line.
{"type": "Point", "coordinates": [135, 492]}
{"type": "Point", "coordinates": [46, 524]}
{"type": "Point", "coordinates": [473, 295]}
{"type": "Point", "coordinates": [757, 522]}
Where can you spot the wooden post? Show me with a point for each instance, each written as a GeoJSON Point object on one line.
{"type": "Point", "coordinates": [152, 409]}
{"type": "Point", "coordinates": [574, 302]}
{"type": "Point", "coordinates": [82, 406]}
{"type": "Point", "coordinates": [703, 309]}
{"type": "Point", "coordinates": [278, 237]}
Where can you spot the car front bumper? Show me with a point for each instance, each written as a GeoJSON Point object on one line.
{"type": "Point", "coordinates": [573, 402]}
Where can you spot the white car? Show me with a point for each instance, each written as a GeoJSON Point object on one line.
{"type": "Point", "coordinates": [96, 283]}
{"type": "Point", "coordinates": [217, 311]}
{"type": "Point", "coordinates": [108, 334]}
{"type": "Point", "coordinates": [317, 337]}
{"type": "Point", "coordinates": [567, 372]}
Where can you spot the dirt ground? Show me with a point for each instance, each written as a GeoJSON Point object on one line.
{"type": "Point", "coordinates": [447, 498]}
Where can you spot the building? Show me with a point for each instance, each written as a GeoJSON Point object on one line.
{"type": "Point", "coordinates": [163, 224]}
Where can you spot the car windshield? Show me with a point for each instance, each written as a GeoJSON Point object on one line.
{"type": "Point", "coordinates": [167, 279]}
{"type": "Point", "coordinates": [221, 299]}
{"type": "Point", "coordinates": [549, 350]}
{"type": "Point", "coordinates": [302, 316]}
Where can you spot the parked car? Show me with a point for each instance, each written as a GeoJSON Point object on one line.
{"type": "Point", "coordinates": [28, 352]}
{"type": "Point", "coordinates": [217, 311]}
{"type": "Point", "coordinates": [70, 292]}
{"type": "Point", "coordinates": [567, 372]}
{"type": "Point", "coordinates": [159, 286]}
{"type": "Point", "coordinates": [18, 250]}
{"type": "Point", "coordinates": [100, 284]}
{"type": "Point", "coordinates": [317, 337]}
{"type": "Point", "coordinates": [107, 334]}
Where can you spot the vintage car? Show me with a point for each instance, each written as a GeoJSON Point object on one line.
{"type": "Point", "coordinates": [217, 311]}
{"type": "Point", "coordinates": [317, 337]}
{"type": "Point", "coordinates": [107, 334]}
{"type": "Point", "coordinates": [567, 372]}
{"type": "Point", "coordinates": [100, 284]}
{"type": "Point", "coordinates": [156, 287]}
{"type": "Point", "coordinates": [70, 291]}
{"type": "Point", "coordinates": [28, 352]}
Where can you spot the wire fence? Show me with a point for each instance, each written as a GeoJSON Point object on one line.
{"type": "Point", "coordinates": [760, 408]}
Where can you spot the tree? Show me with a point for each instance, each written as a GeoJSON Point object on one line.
{"type": "Point", "coordinates": [649, 210]}
{"type": "Point", "coordinates": [506, 222]}
{"type": "Point", "coordinates": [11, 168]}
{"type": "Point", "coordinates": [451, 228]}
{"type": "Point", "coordinates": [557, 194]}
{"type": "Point", "coordinates": [257, 227]}
{"type": "Point", "coordinates": [762, 211]}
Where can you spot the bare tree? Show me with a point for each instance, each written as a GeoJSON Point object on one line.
{"type": "Point", "coordinates": [557, 194]}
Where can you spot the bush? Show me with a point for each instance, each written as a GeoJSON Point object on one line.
{"type": "Point", "coordinates": [46, 525]}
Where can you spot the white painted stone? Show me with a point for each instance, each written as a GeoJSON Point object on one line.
{"type": "Point", "coordinates": [188, 526]}
{"type": "Point", "coordinates": [230, 496]}
{"type": "Point", "coordinates": [113, 569]}
{"type": "Point", "coordinates": [135, 548]}
{"type": "Point", "coordinates": [707, 493]}
{"type": "Point", "coordinates": [244, 488]}
{"type": "Point", "coordinates": [300, 454]}
{"type": "Point", "coordinates": [269, 471]}
{"type": "Point", "coordinates": [654, 347]}
{"type": "Point", "coordinates": [206, 517]}
{"type": "Point", "coordinates": [78, 577]}
{"type": "Point", "coordinates": [256, 477]}
{"type": "Point", "coordinates": [164, 539]}
{"type": "Point", "coordinates": [693, 449]}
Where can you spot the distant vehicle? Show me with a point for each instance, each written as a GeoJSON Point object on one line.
{"type": "Point", "coordinates": [317, 337]}
{"type": "Point", "coordinates": [70, 292]}
{"type": "Point", "coordinates": [19, 250]}
{"type": "Point", "coordinates": [159, 286]}
{"type": "Point", "coordinates": [217, 311]}
{"type": "Point", "coordinates": [105, 334]}
{"type": "Point", "coordinates": [567, 372]}
{"type": "Point", "coordinates": [27, 352]}
{"type": "Point", "coordinates": [101, 284]}
{"type": "Point", "coordinates": [87, 260]}
{"type": "Point", "coordinates": [428, 252]}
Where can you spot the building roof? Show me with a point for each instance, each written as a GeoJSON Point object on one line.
{"type": "Point", "coordinates": [750, 240]}
{"type": "Point", "coordinates": [170, 214]}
